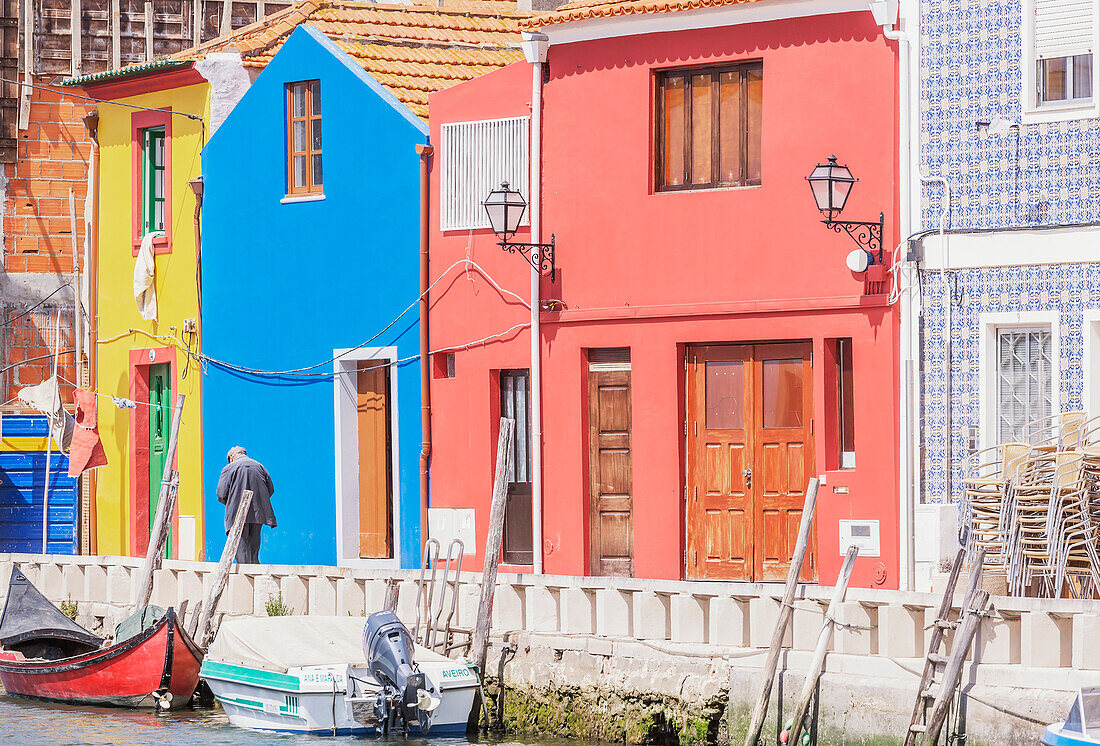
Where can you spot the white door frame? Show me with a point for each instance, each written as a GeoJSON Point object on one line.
{"type": "Point", "coordinates": [345, 392]}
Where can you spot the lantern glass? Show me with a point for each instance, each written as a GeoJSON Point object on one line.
{"type": "Point", "coordinates": [831, 184]}
{"type": "Point", "coordinates": [505, 208]}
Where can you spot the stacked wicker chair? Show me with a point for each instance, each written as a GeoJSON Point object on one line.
{"type": "Point", "coordinates": [1034, 507]}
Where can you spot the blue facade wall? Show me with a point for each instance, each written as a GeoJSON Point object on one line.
{"type": "Point", "coordinates": [22, 487]}
{"type": "Point", "coordinates": [1028, 175]}
{"type": "Point", "coordinates": [284, 284]}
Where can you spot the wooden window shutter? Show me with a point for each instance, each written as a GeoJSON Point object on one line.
{"type": "Point", "coordinates": [1064, 27]}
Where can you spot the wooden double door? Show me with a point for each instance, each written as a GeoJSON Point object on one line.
{"type": "Point", "coordinates": [749, 455]}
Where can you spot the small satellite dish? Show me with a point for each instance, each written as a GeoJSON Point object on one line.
{"type": "Point", "coordinates": [859, 260]}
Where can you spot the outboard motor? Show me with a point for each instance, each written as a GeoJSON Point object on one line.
{"type": "Point", "coordinates": [404, 698]}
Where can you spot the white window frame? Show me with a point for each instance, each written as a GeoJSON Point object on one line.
{"type": "Point", "coordinates": [1033, 112]}
{"type": "Point", "coordinates": [991, 324]}
{"type": "Point", "coordinates": [481, 171]}
{"type": "Point", "coordinates": [1090, 360]}
{"type": "Point", "coordinates": [346, 444]}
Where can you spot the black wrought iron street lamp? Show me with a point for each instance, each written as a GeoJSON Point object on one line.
{"type": "Point", "coordinates": [831, 184]}
{"type": "Point", "coordinates": [505, 207]}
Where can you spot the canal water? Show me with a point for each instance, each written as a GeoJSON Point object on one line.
{"type": "Point", "coordinates": [27, 722]}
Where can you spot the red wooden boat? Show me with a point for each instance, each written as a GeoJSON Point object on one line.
{"type": "Point", "coordinates": [48, 656]}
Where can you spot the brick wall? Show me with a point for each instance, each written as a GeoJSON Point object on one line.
{"type": "Point", "coordinates": [53, 157]}
{"type": "Point", "coordinates": [28, 343]}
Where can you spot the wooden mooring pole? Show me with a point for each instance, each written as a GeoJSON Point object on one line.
{"type": "Point", "coordinates": [221, 575]}
{"type": "Point", "coordinates": [823, 639]}
{"type": "Point", "coordinates": [760, 712]}
{"type": "Point", "coordinates": [166, 503]}
{"type": "Point", "coordinates": [479, 647]}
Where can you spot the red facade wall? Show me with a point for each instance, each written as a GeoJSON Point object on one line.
{"type": "Point", "coordinates": [659, 271]}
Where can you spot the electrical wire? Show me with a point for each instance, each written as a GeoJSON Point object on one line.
{"type": "Point", "coordinates": [5, 322]}
{"type": "Point", "coordinates": [303, 372]}
{"type": "Point", "coordinates": [54, 89]}
{"type": "Point", "coordinates": [32, 359]}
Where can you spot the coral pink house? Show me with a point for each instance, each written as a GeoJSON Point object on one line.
{"type": "Point", "coordinates": [704, 348]}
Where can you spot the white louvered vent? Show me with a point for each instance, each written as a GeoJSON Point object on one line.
{"type": "Point", "coordinates": [475, 157]}
{"type": "Point", "coordinates": [1064, 27]}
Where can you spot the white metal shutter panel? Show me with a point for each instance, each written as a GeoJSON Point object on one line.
{"type": "Point", "coordinates": [1064, 27]}
{"type": "Point", "coordinates": [475, 157]}
{"type": "Point", "coordinates": [1024, 380]}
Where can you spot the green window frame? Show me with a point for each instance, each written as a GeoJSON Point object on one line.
{"type": "Point", "coordinates": [153, 179]}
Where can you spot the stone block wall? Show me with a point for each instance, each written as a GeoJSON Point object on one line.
{"type": "Point", "coordinates": [693, 650]}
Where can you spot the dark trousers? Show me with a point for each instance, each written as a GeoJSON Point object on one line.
{"type": "Point", "coordinates": [248, 550]}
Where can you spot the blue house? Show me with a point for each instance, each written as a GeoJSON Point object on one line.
{"type": "Point", "coordinates": [310, 271]}
{"type": "Point", "coordinates": [1009, 301]}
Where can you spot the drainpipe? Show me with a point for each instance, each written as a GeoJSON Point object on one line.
{"type": "Point", "coordinates": [425, 152]}
{"type": "Point", "coordinates": [535, 46]}
{"type": "Point", "coordinates": [885, 13]}
{"type": "Point", "coordinates": [91, 274]}
{"type": "Point", "coordinates": [946, 296]}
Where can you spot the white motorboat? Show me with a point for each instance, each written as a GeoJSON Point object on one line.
{"type": "Point", "coordinates": [1082, 724]}
{"type": "Point", "coordinates": [335, 675]}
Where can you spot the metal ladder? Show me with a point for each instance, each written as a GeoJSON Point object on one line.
{"type": "Point", "coordinates": [437, 602]}
{"type": "Point", "coordinates": [925, 724]}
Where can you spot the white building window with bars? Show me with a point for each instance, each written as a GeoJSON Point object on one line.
{"type": "Point", "coordinates": [1025, 380]}
{"type": "Point", "coordinates": [475, 157]}
{"type": "Point", "coordinates": [1060, 60]}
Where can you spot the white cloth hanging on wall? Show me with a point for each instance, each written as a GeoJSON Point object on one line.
{"type": "Point", "coordinates": [46, 398]}
{"type": "Point", "coordinates": [144, 268]}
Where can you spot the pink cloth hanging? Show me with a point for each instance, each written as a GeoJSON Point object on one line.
{"type": "Point", "coordinates": [87, 449]}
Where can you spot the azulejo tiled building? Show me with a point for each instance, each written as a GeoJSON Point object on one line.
{"type": "Point", "coordinates": [1009, 327]}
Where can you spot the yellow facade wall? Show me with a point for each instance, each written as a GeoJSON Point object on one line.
{"type": "Point", "coordinates": [177, 302]}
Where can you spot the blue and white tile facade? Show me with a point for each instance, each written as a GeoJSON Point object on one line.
{"type": "Point", "coordinates": [1027, 175]}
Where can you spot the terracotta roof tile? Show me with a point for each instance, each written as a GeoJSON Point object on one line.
{"type": "Point", "coordinates": [579, 10]}
{"type": "Point", "coordinates": [412, 50]}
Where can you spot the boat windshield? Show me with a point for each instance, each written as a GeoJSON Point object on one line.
{"type": "Point", "coordinates": [1084, 716]}
{"type": "Point", "coordinates": [1090, 712]}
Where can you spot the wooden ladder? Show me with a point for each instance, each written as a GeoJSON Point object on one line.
{"type": "Point", "coordinates": [925, 725]}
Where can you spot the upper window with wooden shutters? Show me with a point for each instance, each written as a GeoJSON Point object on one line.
{"type": "Point", "coordinates": [1060, 65]}
{"type": "Point", "coordinates": [475, 157]}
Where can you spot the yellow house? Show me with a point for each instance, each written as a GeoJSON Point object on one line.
{"type": "Point", "coordinates": [153, 120]}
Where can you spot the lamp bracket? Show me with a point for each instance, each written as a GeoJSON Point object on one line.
{"type": "Point", "coordinates": [539, 255]}
{"type": "Point", "coordinates": [865, 234]}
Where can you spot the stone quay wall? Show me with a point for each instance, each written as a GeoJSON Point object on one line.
{"type": "Point", "coordinates": [631, 659]}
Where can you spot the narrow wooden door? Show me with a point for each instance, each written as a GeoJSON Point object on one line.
{"type": "Point", "coordinates": [160, 424]}
{"type": "Point", "coordinates": [749, 453]}
{"type": "Point", "coordinates": [610, 471]}
{"type": "Point", "coordinates": [784, 455]}
{"type": "Point", "coordinates": [721, 426]}
{"type": "Point", "coordinates": [375, 484]}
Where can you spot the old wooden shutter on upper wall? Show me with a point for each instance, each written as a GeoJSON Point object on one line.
{"type": "Point", "coordinates": [83, 37]}
{"type": "Point", "coordinates": [9, 70]}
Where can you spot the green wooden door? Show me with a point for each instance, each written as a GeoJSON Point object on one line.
{"type": "Point", "coordinates": [160, 423]}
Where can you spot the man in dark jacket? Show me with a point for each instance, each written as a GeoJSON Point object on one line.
{"type": "Point", "coordinates": [243, 473]}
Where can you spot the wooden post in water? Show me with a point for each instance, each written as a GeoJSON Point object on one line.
{"type": "Point", "coordinates": [165, 507]}
{"type": "Point", "coordinates": [761, 710]}
{"type": "Point", "coordinates": [480, 647]}
{"type": "Point", "coordinates": [221, 574]}
{"type": "Point", "coordinates": [823, 638]}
